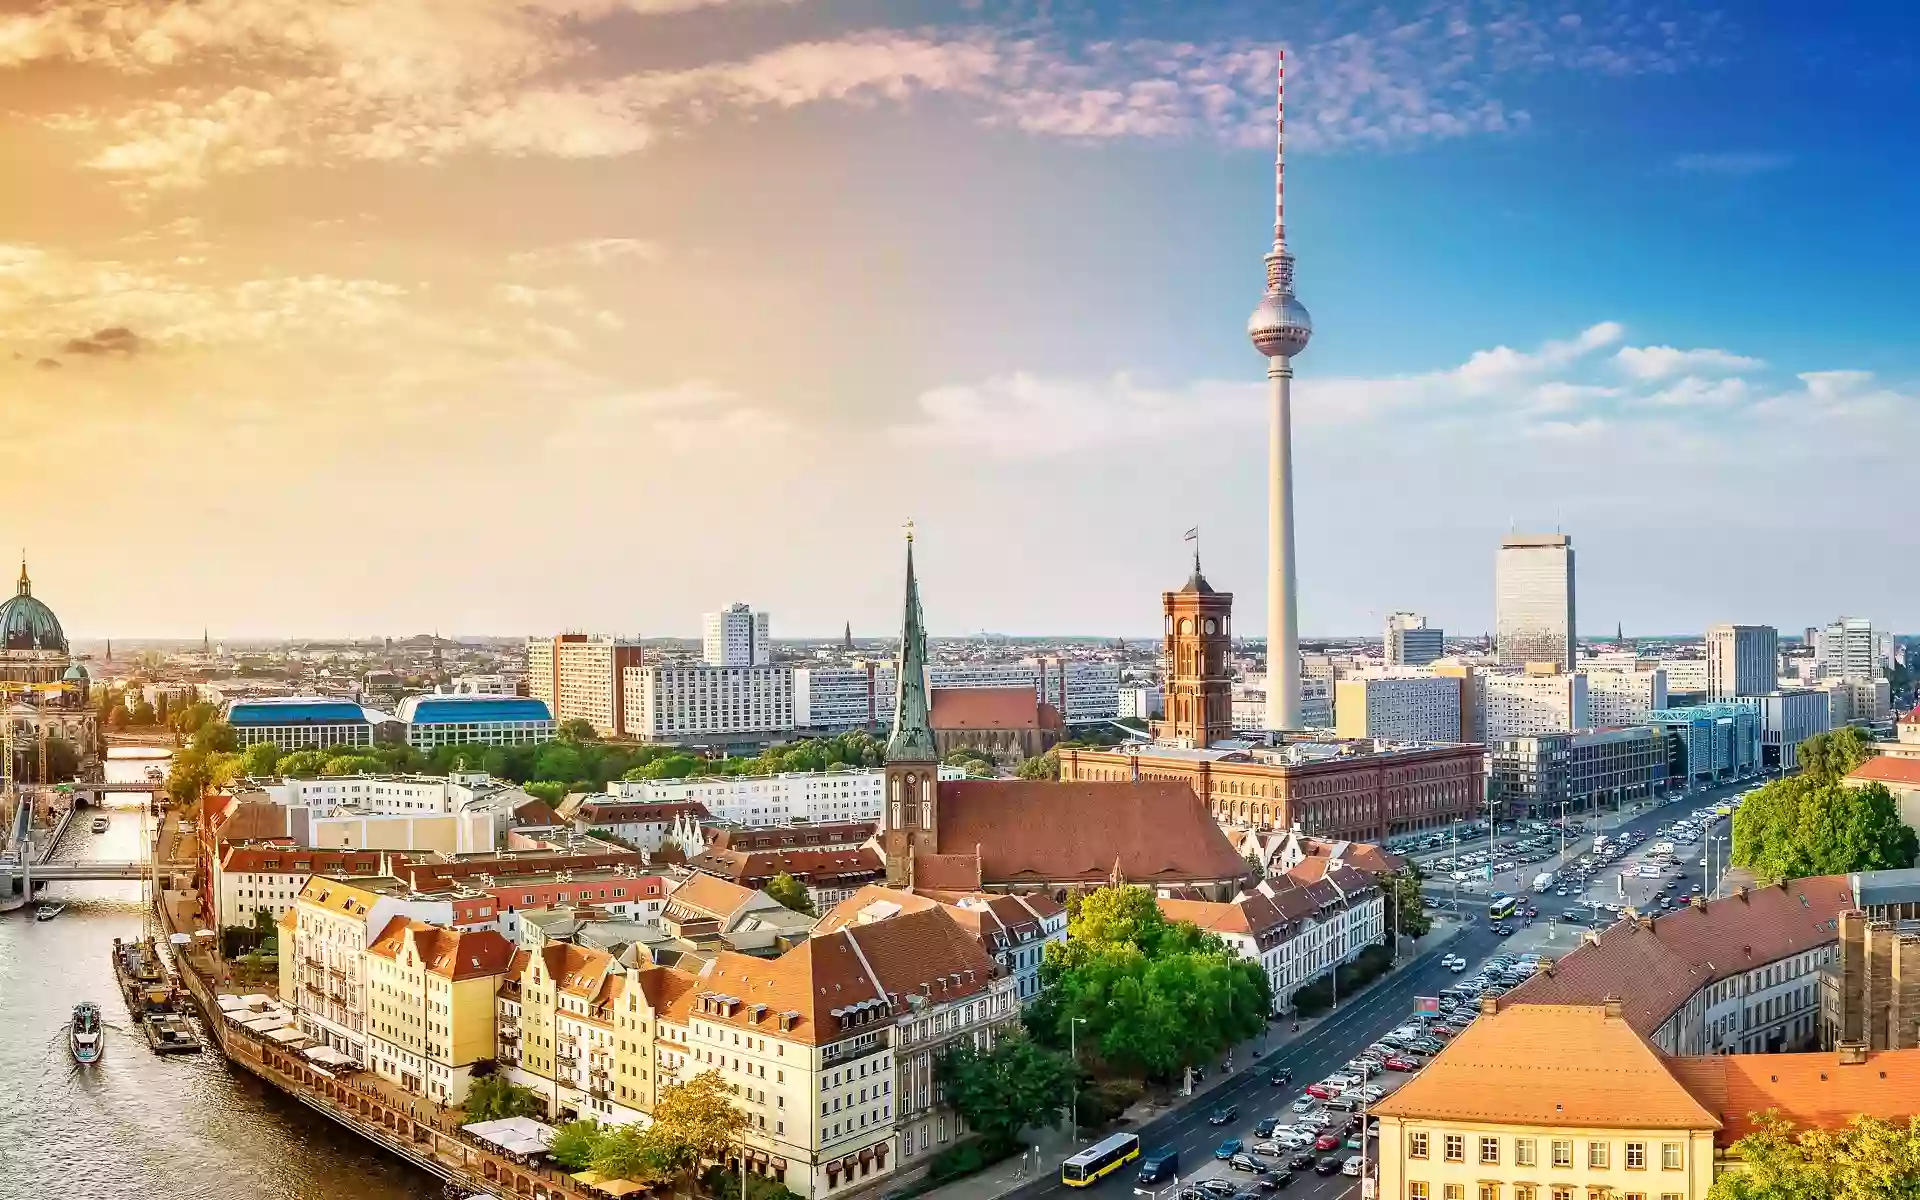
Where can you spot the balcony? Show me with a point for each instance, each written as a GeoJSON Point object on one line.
{"type": "Point", "coordinates": [852, 1048]}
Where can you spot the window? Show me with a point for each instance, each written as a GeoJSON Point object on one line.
{"type": "Point", "coordinates": [1670, 1156]}
{"type": "Point", "coordinates": [1563, 1193]}
{"type": "Point", "coordinates": [1489, 1191]}
{"type": "Point", "coordinates": [1637, 1157]}
{"type": "Point", "coordinates": [1416, 1145]}
{"type": "Point", "coordinates": [1522, 1191]}
{"type": "Point", "coordinates": [1490, 1151]}
{"type": "Point", "coordinates": [1562, 1157]}
{"type": "Point", "coordinates": [1456, 1147]}
{"type": "Point", "coordinates": [1597, 1155]}
{"type": "Point", "coordinates": [1416, 1190]}
{"type": "Point", "coordinates": [1523, 1152]}
{"type": "Point", "coordinates": [1455, 1191]}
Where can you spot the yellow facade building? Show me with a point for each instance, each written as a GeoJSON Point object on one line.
{"type": "Point", "coordinates": [1546, 1102]}
{"type": "Point", "coordinates": [431, 1005]}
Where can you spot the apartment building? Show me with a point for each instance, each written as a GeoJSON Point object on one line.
{"type": "Point", "coordinates": [690, 702]}
{"type": "Point", "coordinates": [430, 1005]}
{"type": "Point", "coordinates": [1015, 930]}
{"type": "Point", "coordinates": [1410, 642]}
{"type": "Point", "coordinates": [1522, 704]}
{"type": "Point", "coordinates": [266, 878]}
{"type": "Point", "coordinates": [1742, 660]}
{"type": "Point", "coordinates": [821, 797]}
{"type": "Point", "coordinates": [582, 677]}
{"type": "Point", "coordinates": [1624, 697]}
{"type": "Point", "coordinates": [1398, 707]}
{"type": "Point", "coordinates": [736, 636]}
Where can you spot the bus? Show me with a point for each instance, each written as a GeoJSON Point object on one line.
{"type": "Point", "coordinates": [1503, 908]}
{"type": "Point", "coordinates": [1099, 1160]}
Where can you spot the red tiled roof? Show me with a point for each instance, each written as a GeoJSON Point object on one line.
{"type": "Point", "coordinates": [711, 895]}
{"type": "Point", "coordinates": [789, 837]}
{"type": "Point", "coordinates": [813, 867]}
{"type": "Point", "coordinates": [1812, 1090]}
{"type": "Point", "coordinates": [252, 821]}
{"type": "Point", "coordinates": [454, 954]}
{"type": "Point", "coordinates": [985, 708]}
{"type": "Point", "coordinates": [304, 860]}
{"type": "Point", "coordinates": [1031, 831]}
{"type": "Point", "coordinates": [1655, 968]}
{"type": "Point", "coordinates": [633, 812]}
{"type": "Point", "coordinates": [947, 872]}
{"type": "Point", "coordinates": [1887, 769]}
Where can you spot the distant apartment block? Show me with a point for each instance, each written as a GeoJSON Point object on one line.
{"type": "Point", "coordinates": [1410, 642]}
{"type": "Point", "coordinates": [1534, 600]}
{"type": "Point", "coordinates": [1624, 697]}
{"type": "Point", "coordinates": [736, 636]}
{"type": "Point", "coordinates": [1399, 707]}
{"type": "Point", "coordinates": [583, 678]}
{"type": "Point", "coordinates": [1518, 705]}
{"type": "Point", "coordinates": [691, 702]}
{"type": "Point", "coordinates": [1742, 660]}
{"type": "Point", "coordinates": [1788, 717]}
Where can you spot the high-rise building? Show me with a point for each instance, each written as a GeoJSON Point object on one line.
{"type": "Point", "coordinates": [692, 701]}
{"type": "Point", "coordinates": [736, 636]}
{"type": "Point", "coordinates": [583, 677]}
{"type": "Point", "coordinates": [1411, 642]}
{"type": "Point", "coordinates": [1280, 328]}
{"type": "Point", "coordinates": [1533, 599]}
{"type": "Point", "coordinates": [1402, 708]}
{"type": "Point", "coordinates": [1849, 649]}
{"type": "Point", "coordinates": [1742, 660]}
{"type": "Point", "coordinates": [1518, 705]}
{"type": "Point", "coordinates": [1198, 644]}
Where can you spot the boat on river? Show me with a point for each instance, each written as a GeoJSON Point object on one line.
{"type": "Point", "coordinates": [48, 911]}
{"type": "Point", "coordinates": [100, 824]}
{"type": "Point", "coordinates": [152, 997]}
{"type": "Point", "coordinates": [84, 1039]}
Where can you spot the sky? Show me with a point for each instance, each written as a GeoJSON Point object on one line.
{"type": "Point", "coordinates": [331, 317]}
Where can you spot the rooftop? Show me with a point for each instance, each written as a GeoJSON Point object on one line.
{"type": "Point", "coordinates": [454, 710]}
{"type": "Point", "coordinates": [1820, 1091]}
{"type": "Point", "coordinates": [1573, 1066]}
{"type": "Point", "coordinates": [1028, 830]}
{"type": "Point", "coordinates": [299, 710]}
{"type": "Point", "coordinates": [1885, 768]}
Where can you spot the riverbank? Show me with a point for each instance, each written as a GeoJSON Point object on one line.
{"type": "Point", "coordinates": [426, 1136]}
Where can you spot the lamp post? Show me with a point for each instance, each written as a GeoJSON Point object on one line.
{"type": "Point", "coordinates": [1073, 1052]}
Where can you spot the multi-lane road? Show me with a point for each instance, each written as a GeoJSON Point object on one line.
{"type": "Point", "coordinates": [1359, 1023]}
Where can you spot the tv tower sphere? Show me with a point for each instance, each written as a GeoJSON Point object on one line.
{"type": "Point", "coordinates": [1280, 327]}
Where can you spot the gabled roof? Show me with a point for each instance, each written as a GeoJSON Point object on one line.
{"type": "Point", "coordinates": [1031, 831]}
{"type": "Point", "coordinates": [1554, 1065]}
{"type": "Point", "coordinates": [619, 812]}
{"type": "Point", "coordinates": [712, 896]}
{"type": "Point", "coordinates": [452, 954]}
{"type": "Point", "coordinates": [1817, 1091]}
{"type": "Point", "coordinates": [1654, 965]}
{"type": "Point", "coordinates": [985, 708]}
{"type": "Point", "coordinates": [812, 867]}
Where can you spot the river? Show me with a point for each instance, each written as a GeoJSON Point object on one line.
{"type": "Point", "coordinates": [137, 1125]}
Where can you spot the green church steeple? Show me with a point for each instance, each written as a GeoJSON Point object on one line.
{"type": "Point", "coordinates": [912, 738]}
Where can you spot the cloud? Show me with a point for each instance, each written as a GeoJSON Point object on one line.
{"type": "Point", "coordinates": [114, 341]}
{"type": "Point", "coordinates": [1491, 369]}
{"type": "Point", "coordinates": [1750, 163]}
{"type": "Point", "coordinates": [1693, 391]}
{"type": "Point", "coordinates": [591, 252]}
{"type": "Point", "coordinates": [1661, 362]}
{"type": "Point", "coordinates": [47, 364]}
{"type": "Point", "coordinates": [423, 80]}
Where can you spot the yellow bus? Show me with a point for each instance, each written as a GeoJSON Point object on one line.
{"type": "Point", "coordinates": [1099, 1160]}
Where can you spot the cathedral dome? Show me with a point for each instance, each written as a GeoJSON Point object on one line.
{"type": "Point", "coordinates": [27, 624]}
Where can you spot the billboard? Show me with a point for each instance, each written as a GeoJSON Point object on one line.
{"type": "Point", "coordinates": [1427, 1004]}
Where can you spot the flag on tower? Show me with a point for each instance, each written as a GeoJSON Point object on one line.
{"type": "Point", "coordinates": [1193, 535]}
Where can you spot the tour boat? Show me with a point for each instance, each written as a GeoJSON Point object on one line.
{"type": "Point", "coordinates": [156, 775]}
{"type": "Point", "coordinates": [100, 824]}
{"type": "Point", "coordinates": [47, 912]}
{"type": "Point", "coordinates": [83, 1034]}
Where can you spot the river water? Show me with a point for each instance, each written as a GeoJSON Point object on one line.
{"type": "Point", "coordinates": [137, 1125]}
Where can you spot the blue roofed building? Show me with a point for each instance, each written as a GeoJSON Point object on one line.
{"type": "Point", "coordinates": [304, 722]}
{"type": "Point", "coordinates": [443, 720]}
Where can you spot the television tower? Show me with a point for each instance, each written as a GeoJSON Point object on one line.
{"type": "Point", "coordinates": [1280, 329]}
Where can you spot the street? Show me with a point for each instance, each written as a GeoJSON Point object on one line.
{"type": "Point", "coordinates": [1352, 1029]}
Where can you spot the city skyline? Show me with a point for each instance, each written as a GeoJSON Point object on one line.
{"type": "Point", "coordinates": [320, 292]}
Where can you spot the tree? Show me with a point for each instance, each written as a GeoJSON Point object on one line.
{"type": "Point", "coordinates": [627, 1152]}
{"type": "Point", "coordinates": [1403, 892]}
{"type": "Point", "coordinates": [573, 1144]}
{"type": "Point", "coordinates": [1812, 824]}
{"type": "Point", "coordinates": [1867, 1159]}
{"type": "Point", "coordinates": [1011, 1087]}
{"type": "Point", "coordinates": [353, 764]}
{"type": "Point", "coordinates": [261, 758]}
{"type": "Point", "coordinates": [1826, 757]}
{"type": "Point", "coordinates": [1042, 766]}
{"type": "Point", "coordinates": [791, 893]}
{"type": "Point", "coordinates": [722, 1184]}
{"type": "Point", "coordinates": [695, 1122]}
{"type": "Point", "coordinates": [1154, 995]}
{"type": "Point", "coordinates": [578, 729]}
{"type": "Point", "coordinates": [493, 1097]}
{"type": "Point", "coordinates": [216, 736]}
{"type": "Point", "coordinates": [304, 764]}
{"type": "Point", "coordinates": [142, 713]}
{"type": "Point", "coordinates": [63, 760]}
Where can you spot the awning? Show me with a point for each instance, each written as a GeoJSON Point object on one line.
{"type": "Point", "coordinates": [327, 1056]}
{"type": "Point", "coordinates": [587, 1177]}
{"type": "Point", "coordinates": [287, 1035]}
{"type": "Point", "coordinates": [515, 1135]}
{"type": "Point", "coordinates": [621, 1187]}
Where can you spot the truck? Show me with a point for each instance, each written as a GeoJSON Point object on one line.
{"type": "Point", "coordinates": [1663, 847]}
{"type": "Point", "coordinates": [1542, 881]}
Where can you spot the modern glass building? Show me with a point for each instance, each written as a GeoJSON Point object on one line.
{"type": "Point", "coordinates": [458, 720]}
{"type": "Point", "coordinates": [1710, 743]}
{"type": "Point", "coordinates": [302, 722]}
{"type": "Point", "coordinates": [1533, 599]}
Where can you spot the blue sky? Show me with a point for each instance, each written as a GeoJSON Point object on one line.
{"type": "Point", "coordinates": [697, 300]}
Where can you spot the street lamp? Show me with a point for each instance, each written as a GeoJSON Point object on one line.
{"type": "Point", "coordinates": [1073, 1052]}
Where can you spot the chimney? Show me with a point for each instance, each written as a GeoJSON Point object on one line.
{"type": "Point", "coordinates": [1697, 901]}
{"type": "Point", "coordinates": [1853, 1054]}
{"type": "Point", "coordinates": [1740, 890]}
{"type": "Point", "coordinates": [1613, 1008]}
{"type": "Point", "coordinates": [1489, 1005]}
{"type": "Point", "coordinates": [1646, 922]}
{"type": "Point", "coordinates": [1591, 937]}
{"type": "Point", "coordinates": [1543, 967]}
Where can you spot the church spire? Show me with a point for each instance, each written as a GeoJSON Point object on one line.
{"type": "Point", "coordinates": [25, 586]}
{"type": "Point", "coordinates": [912, 739]}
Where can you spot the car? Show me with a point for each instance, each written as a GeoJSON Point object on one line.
{"type": "Point", "coordinates": [1322, 1091]}
{"type": "Point", "coordinates": [1216, 1189]}
{"type": "Point", "coordinates": [1327, 1141]}
{"type": "Point", "coordinates": [1267, 1149]}
{"type": "Point", "coordinates": [1303, 1104]}
{"type": "Point", "coordinates": [1397, 1063]}
{"type": "Point", "coordinates": [1353, 1165]}
{"type": "Point", "coordinates": [1343, 1104]}
{"type": "Point", "coordinates": [1280, 1077]}
{"type": "Point", "coordinates": [1330, 1165]}
{"type": "Point", "coordinates": [1300, 1162]}
{"type": "Point", "coordinates": [1344, 1079]}
{"type": "Point", "coordinates": [1223, 1115]}
{"type": "Point", "coordinates": [1273, 1181]}
{"type": "Point", "coordinates": [1265, 1126]}
{"type": "Point", "coordinates": [1503, 931]}
{"type": "Point", "coordinates": [1227, 1149]}
{"type": "Point", "coordinates": [1246, 1162]}
{"type": "Point", "coordinates": [1372, 1095]}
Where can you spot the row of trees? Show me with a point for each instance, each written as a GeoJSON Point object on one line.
{"type": "Point", "coordinates": [1813, 823]}
{"type": "Point", "coordinates": [1869, 1159]}
{"type": "Point", "coordinates": [694, 1124]}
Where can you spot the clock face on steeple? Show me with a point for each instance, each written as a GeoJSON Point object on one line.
{"type": "Point", "coordinates": [1211, 628]}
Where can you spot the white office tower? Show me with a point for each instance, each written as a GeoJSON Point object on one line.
{"type": "Point", "coordinates": [1850, 650]}
{"type": "Point", "coordinates": [736, 636]}
{"type": "Point", "coordinates": [1742, 660]}
{"type": "Point", "coordinates": [1519, 705]}
{"type": "Point", "coordinates": [1410, 642]}
{"type": "Point", "coordinates": [1533, 600]}
{"type": "Point", "coordinates": [1617, 698]}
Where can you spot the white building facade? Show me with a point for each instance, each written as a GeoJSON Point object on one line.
{"type": "Point", "coordinates": [1518, 705]}
{"type": "Point", "coordinates": [736, 636]}
{"type": "Point", "coordinates": [1624, 697]}
{"type": "Point", "coordinates": [1742, 660]}
{"type": "Point", "coordinates": [1409, 708]}
{"type": "Point", "coordinates": [689, 702]}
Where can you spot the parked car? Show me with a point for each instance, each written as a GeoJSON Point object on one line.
{"type": "Point", "coordinates": [1398, 1063]}
{"type": "Point", "coordinates": [1300, 1162]}
{"type": "Point", "coordinates": [1273, 1181]}
{"type": "Point", "coordinates": [1223, 1115]}
{"type": "Point", "coordinates": [1322, 1090]}
{"type": "Point", "coordinates": [1265, 1126]}
{"type": "Point", "coordinates": [1227, 1149]}
{"type": "Point", "coordinates": [1327, 1141]}
{"type": "Point", "coordinates": [1303, 1104]}
{"type": "Point", "coordinates": [1330, 1165]}
{"type": "Point", "coordinates": [1218, 1187]}
{"type": "Point", "coordinates": [1246, 1162]}
{"type": "Point", "coordinates": [1352, 1165]}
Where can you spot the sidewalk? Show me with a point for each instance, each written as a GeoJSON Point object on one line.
{"type": "Point", "coordinates": [1047, 1147]}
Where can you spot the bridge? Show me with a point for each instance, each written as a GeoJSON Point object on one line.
{"type": "Point", "coordinates": [62, 871]}
{"type": "Point", "coordinates": [118, 787]}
